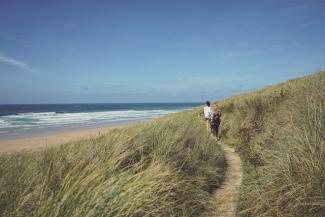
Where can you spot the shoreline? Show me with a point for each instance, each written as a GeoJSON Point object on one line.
{"type": "Point", "coordinates": [59, 137]}
{"type": "Point", "coordinates": [49, 130]}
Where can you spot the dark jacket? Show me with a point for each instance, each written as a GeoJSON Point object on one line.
{"type": "Point", "coordinates": [216, 119]}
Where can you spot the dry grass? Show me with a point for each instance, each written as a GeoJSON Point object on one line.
{"type": "Point", "coordinates": [280, 133]}
{"type": "Point", "coordinates": [165, 167]}
{"type": "Point", "coordinates": [168, 167]}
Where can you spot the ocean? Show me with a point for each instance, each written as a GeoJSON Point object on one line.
{"type": "Point", "coordinates": [37, 119]}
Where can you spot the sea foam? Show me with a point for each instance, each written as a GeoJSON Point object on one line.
{"type": "Point", "coordinates": [56, 119]}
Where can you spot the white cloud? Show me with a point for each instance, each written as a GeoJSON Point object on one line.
{"type": "Point", "coordinates": [14, 62]}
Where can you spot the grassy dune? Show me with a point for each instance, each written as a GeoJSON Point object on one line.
{"type": "Point", "coordinates": [166, 167]}
{"type": "Point", "coordinates": [280, 134]}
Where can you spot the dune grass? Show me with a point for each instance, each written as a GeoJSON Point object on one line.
{"type": "Point", "coordinates": [168, 167]}
{"type": "Point", "coordinates": [165, 167]}
{"type": "Point", "coordinates": [280, 133]}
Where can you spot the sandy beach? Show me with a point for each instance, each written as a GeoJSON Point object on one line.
{"type": "Point", "coordinates": [41, 142]}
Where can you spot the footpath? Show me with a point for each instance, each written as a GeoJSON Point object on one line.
{"type": "Point", "coordinates": [226, 196]}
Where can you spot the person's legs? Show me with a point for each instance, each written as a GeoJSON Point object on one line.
{"type": "Point", "coordinates": [208, 124]}
{"type": "Point", "coordinates": [213, 130]}
{"type": "Point", "coordinates": [217, 130]}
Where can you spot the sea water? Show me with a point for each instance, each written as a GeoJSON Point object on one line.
{"type": "Point", "coordinates": [36, 119]}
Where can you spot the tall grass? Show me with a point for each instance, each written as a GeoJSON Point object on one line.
{"type": "Point", "coordinates": [166, 167]}
{"type": "Point", "coordinates": [280, 133]}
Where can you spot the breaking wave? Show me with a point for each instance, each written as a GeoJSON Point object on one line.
{"type": "Point", "coordinates": [59, 118]}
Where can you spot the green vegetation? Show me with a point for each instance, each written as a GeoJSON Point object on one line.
{"type": "Point", "coordinates": [165, 167]}
{"type": "Point", "coordinates": [168, 167]}
{"type": "Point", "coordinates": [280, 133]}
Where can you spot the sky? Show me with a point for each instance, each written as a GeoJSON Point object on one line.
{"type": "Point", "coordinates": [109, 51]}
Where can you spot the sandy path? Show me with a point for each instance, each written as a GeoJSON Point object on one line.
{"type": "Point", "coordinates": [41, 142]}
{"type": "Point", "coordinates": [225, 197]}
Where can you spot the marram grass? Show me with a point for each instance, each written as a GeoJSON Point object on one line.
{"type": "Point", "coordinates": [166, 167]}
{"type": "Point", "coordinates": [280, 134]}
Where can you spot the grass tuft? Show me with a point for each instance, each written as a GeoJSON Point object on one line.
{"type": "Point", "coordinates": [165, 167]}
{"type": "Point", "coordinates": [280, 133]}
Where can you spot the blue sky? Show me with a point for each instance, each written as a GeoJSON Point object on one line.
{"type": "Point", "coordinates": [154, 51]}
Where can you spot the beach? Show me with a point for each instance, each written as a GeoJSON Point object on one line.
{"type": "Point", "coordinates": [29, 127]}
{"type": "Point", "coordinates": [56, 138]}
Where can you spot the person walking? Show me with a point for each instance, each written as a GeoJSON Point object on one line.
{"type": "Point", "coordinates": [207, 114]}
{"type": "Point", "coordinates": [215, 120]}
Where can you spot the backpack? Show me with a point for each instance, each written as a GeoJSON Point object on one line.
{"type": "Point", "coordinates": [216, 118]}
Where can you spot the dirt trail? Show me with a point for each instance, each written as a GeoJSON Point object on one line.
{"type": "Point", "coordinates": [225, 197]}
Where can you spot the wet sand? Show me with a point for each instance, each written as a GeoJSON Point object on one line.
{"type": "Point", "coordinates": [55, 139]}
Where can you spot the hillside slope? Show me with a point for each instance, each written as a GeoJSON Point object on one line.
{"type": "Point", "coordinates": [166, 167]}
{"type": "Point", "coordinates": [280, 133]}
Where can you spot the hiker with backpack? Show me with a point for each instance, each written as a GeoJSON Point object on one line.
{"type": "Point", "coordinates": [215, 120]}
